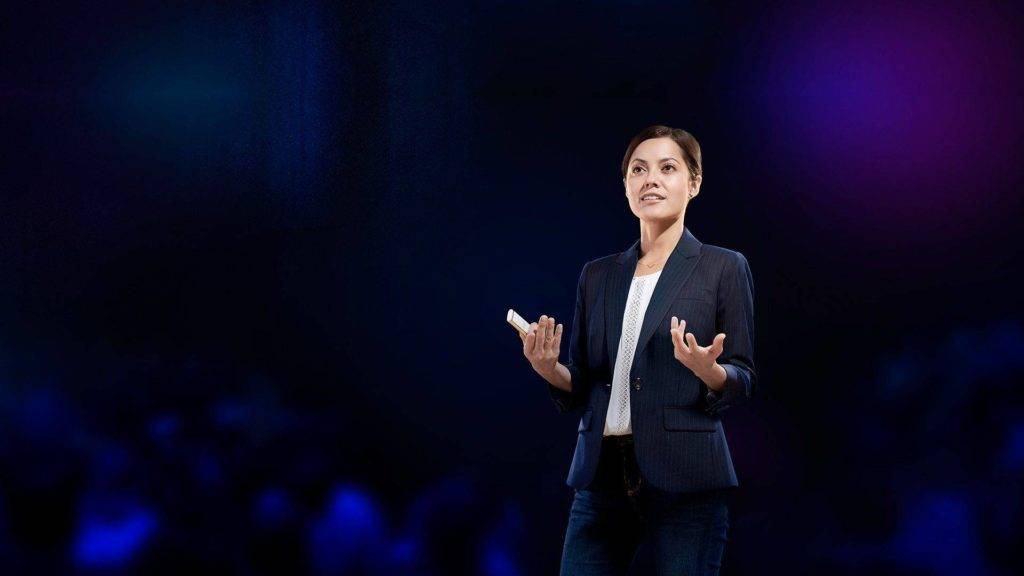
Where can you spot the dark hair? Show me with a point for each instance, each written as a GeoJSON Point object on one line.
{"type": "Point", "coordinates": [686, 142]}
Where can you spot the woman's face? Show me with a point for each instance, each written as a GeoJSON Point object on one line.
{"type": "Point", "coordinates": [657, 168]}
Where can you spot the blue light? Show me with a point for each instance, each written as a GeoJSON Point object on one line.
{"type": "Point", "coordinates": [112, 542]}
{"type": "Point", "coordinates": [274, 508]}
{"type": "Point", "coordinates": [351, 530]}
{"type": "Point", "coordinates": [940, 535]}
{"type": "Point", "coordinates": [1013, 456]}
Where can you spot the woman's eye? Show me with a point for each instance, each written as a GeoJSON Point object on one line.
{"type": "Point", "coordinates": [670, 166]}
{"type": "Point", "coordinates": [635, 168]}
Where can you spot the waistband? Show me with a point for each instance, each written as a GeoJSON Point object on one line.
{"type": "Point", "coordinates": [618, 440]}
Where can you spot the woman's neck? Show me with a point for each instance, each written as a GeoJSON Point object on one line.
{"type": "Point", "coordinates": [658, 239]}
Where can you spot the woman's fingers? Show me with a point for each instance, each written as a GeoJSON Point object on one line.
{"type": "Point", "coordinates": [544, 334]}
{"type": "Point", "coordinates": [692, 341]}
{"type": "Point", "coordinates": [686, 342]}
{"type": "Point", "coordinates": [718, 344]}
{"type": "Point", "coordinates": [543, 339]}
{"type": "Point", "coordinates": [677, 331]}
{"type": "Point", "coordinates": [554, 335]}
{"type": "Point", "coordinates": [549, 335]}
{"type": "Point", "coordinates": [531, 339]}
{"type": "Point", "coordinates": [687, 350]}
{"type": "Point", "coordinates": [677, 325]}
{"type": "Point", "coordinates": [680, 345]}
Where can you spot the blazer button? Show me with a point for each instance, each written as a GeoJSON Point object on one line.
{"type": "Point", "coordinates": [607, 384]}
{"type": "Point", "coordinates": [637, 383]}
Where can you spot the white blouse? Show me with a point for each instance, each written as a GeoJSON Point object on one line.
{"type": "Point", "coordinates": [640, 290]}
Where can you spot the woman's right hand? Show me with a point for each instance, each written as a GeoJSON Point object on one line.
{"type": "Point", "coordinates": [542, 343]}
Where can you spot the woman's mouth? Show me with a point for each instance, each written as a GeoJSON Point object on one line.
{"type": "Point", "coordinates": [650, 199]}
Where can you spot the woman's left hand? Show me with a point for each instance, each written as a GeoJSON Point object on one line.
{"type": "Point", "coordinates": [702, 360]}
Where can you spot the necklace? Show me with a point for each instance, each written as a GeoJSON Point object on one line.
{"type": "Point", "coordinates": [652, 265]}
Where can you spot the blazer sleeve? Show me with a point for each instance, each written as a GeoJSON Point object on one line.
{"type": "Point", "coordinates": [577, 363]}
{"type": "Point", "coordinates": [735, 317]}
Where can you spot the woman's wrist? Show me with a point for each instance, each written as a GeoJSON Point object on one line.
{"type": "Point", "coordinates": [557, 375]}
{"type": "Point", "coordinates": [715, 377]}
{"type": "Point", "coordinates": [546, 371]}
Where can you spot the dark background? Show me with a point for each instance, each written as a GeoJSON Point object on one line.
{"type": "Point", "coordinates": [255, 261]}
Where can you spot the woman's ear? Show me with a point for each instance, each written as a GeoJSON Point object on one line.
{"type": "Point", "coordinates": [695, 187]}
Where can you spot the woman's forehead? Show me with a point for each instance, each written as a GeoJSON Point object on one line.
{"type": "Point", "coordinates": [657, 149]}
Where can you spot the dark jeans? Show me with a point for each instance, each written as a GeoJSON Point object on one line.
{"type": "Point", "coordinates": [618, 512]}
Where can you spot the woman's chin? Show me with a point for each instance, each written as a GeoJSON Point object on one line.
{"type": "Point", "coordinates": [657, 215]}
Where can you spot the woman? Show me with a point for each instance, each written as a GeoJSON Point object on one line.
{"type": "Point", "coordinates": [662, 342]}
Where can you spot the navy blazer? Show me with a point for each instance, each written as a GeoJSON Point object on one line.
{"type": "Point", "coordinates": [677, 429]}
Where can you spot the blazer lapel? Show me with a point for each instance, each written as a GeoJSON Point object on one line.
{"type": "Point", "coordinates": [680, 264]}
{"type": "Point", "coordinates": [619, 279]}
{"type": "Point", "coordinates": [678, 267]}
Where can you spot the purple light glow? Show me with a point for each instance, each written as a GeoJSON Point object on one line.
{"type": "Point", "coordinates": [892, 112]}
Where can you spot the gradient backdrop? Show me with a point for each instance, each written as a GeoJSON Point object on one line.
{"type": "Point", "coordinates": [255, 261]}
